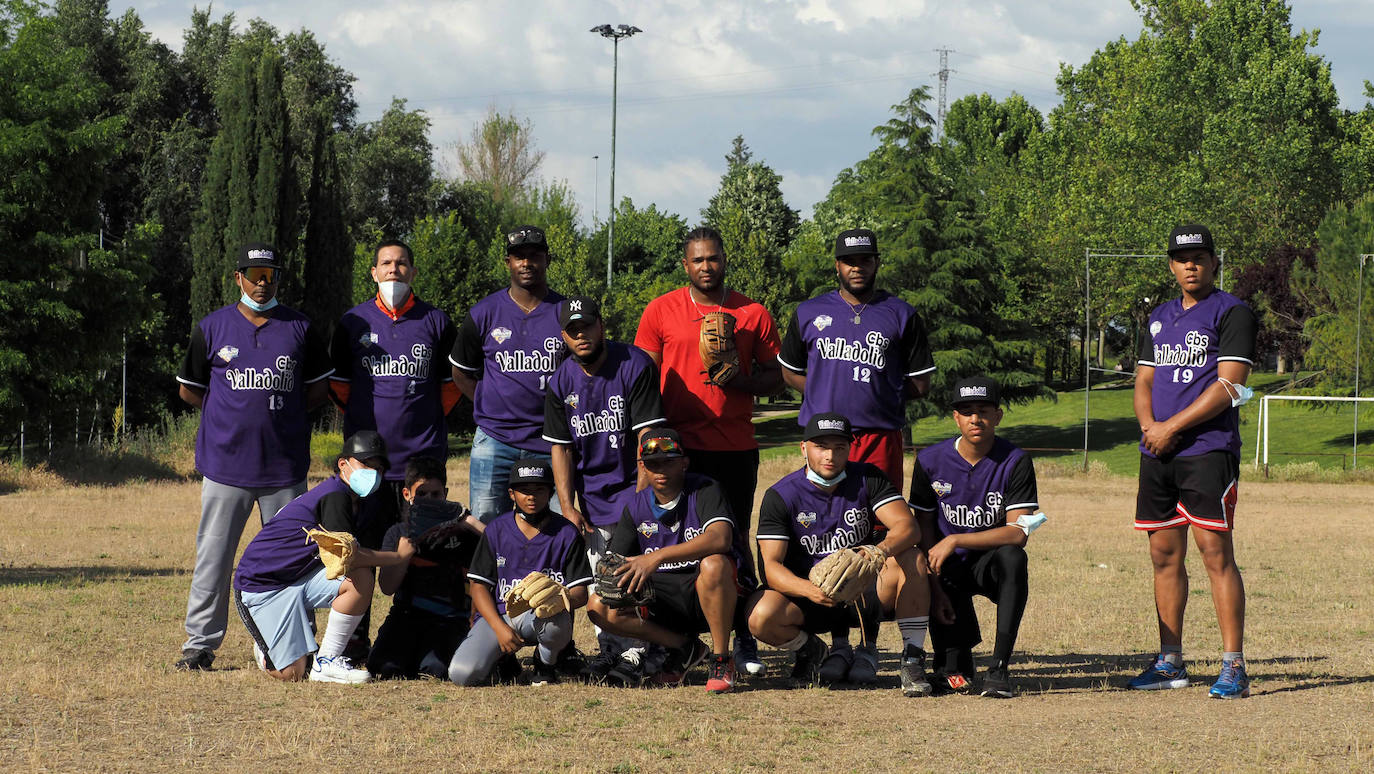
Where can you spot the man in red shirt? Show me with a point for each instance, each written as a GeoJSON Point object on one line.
{"type": "Point", "coordinates": [715, 422]}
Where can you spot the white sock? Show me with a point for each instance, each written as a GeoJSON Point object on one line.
{"type": "Point", "coordinates": [796, 642]}
{"type": "Point", "coordinates": [914, 630]}
{"type": "Point", "coordinates": [337, 632]}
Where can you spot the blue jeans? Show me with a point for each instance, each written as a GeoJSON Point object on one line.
{"type": "Point", "coordinates": [489, 476]}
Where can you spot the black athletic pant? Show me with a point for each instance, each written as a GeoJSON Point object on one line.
{"type": "Point", "coordinates": [737, 472]}
{"type": "Point", "coordinates": [375, 516]}
{"type": "Point", "coordinates": [412, 642]}
{"type": "Point", "coordinates": [998, 574]}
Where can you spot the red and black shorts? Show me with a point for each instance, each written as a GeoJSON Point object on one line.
{"type": "Point", "coordinates": [1200, 490]}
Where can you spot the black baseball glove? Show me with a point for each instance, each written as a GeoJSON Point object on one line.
{"type": "Point", "coordinates": [608, 584]}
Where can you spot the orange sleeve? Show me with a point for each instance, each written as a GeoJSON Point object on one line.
{"type": "Point", "coordinates": [339, 392]}
{"type": "Point", "coordinates": [449, 395]}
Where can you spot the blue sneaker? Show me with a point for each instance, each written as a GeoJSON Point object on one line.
{"type": "Point", "coordinates": [1233, 683]}
{"type": "Point", "coordinates": [1159, 676]}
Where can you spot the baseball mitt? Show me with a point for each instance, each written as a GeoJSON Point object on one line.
{"type": "Point", "coordinates": [336, 550]}
{"type": "Point", "coordinates": [608, 584]}
{"type": "Point", "coordinates": [438, 530]}
{"type": "Point", "coordinates": [537, 592]}
{"type": "Point", "coordinates": [719, 357]}
{"type": "Point", "coordinates": [847, 573]}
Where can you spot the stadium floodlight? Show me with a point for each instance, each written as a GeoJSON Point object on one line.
{"type": "Point", "coordinates": [615, 34]}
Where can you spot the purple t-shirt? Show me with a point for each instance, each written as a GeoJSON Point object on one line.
{"type": "Point", "coordinates": [641, 531]}
{"type": "Point", "coordinates": [254, 426]}
{"type": "Point", "coordinates": [857, 369]}
{"type": "Point", "coordinates": [974, 498]}
{"type": "Point", "coordinates": [816, 523]}
{"type": "Point", "coordinates": [505, 556]}
{"type": "Point", "coordinates": [600, 416]}
{"type": "Point", "coordinates": [1184, 347]}
{"type": "Point", "coordinates": [281, 553]}
{"type": "Point", "coordinates": [395, 371]}
{"type": "Point", "coordinates": [511, 354]}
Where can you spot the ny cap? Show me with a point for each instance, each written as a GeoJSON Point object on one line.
{"type": "Point", "coordinates": [259, 254]}
{"type": "Point", "coordinates": [1191, 236]}
{"type": "Point", "coordinates": [856, 241]}
{"type": "Point", "coordinates": [531, 472]}
{"type": "Point", "coordinates": [827, 424]}
{"type": "Point", "coordinates": [577, 308]}
{"type": "Point", "coordinates": [975, 389]}
{"type": "Point", "coordinates": [365, 445]}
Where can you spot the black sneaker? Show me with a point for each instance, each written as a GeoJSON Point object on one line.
{"type": "Point", "coordinates": [571, 662]}
{"type": "Point", "coordinates": [195, 660]}
{"type": "Point", "coordinates": [629, 671]}
{"type": "Point", "coordinates": [541, 673]}
{"type": "Point", "coordinates": [914, 682]}
{"type": "Point", "coordinates": [507, 670]}
{"type": "Point", "coordinates": [805, 670]}
{"type": "Point", "coordinates": [997, 683]}
{"type": "Point", "coordinates": [951, 682]}
{"type": "Point", "coordinates": [681, 660]}
{"type": "Point", "coordinates": [601, 666]}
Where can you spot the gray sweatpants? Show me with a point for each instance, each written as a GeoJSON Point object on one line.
{"type": "Point", "coordinates": [224, 512]}
{"type": "Point", "coordinates": [479, 651]}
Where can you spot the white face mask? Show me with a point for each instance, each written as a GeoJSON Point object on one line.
{"type": "Point", "coordinates": [1240, 393]}
{"type": "Point", "coordinates": [393, 292]}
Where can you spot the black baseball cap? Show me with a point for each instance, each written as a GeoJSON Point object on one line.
{"type": "Point", "coordinates": [661, 443]}
{"type": "Point", "coordinates": [526, 236]}
{"type": "Point", "coordinates": [531, 472]}
{"type": "Point", "coordinates": [577, 308]}
{"type": "Point", "coordinates": [856, 241]}
{"type": "Point", "coordinates": [827, 424]}
{"type": "Point", "coordinates": [1191, 236]}
{"type": "Point", "coordinates": [364, 445]}
{"type": "Point", "coordinates": [975, 389]}
{"type": "Point", "coordinates": [259, 254]}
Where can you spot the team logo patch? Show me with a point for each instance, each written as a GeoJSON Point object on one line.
{"type": "Point", "coordinates": [571, 400]}
{"type": "Point", "coordinates": [822, 322]}
{"type": "Point", "coordinates": [977, 391]}
{"type": "Point", "coordinates": [367, 339]}
{"type": "Point", "coordinates": [941, 488]}
{"type": "Point", "coordinates": [1155, 328]}
{"type": "Point", "coordinates": [648, 528]}
{"type": "Point", "coordinates": [261, 255]}
{"type": "Point", "coordinates": [1188, 239]}
{"type": "Point", "coordinates": [531, 472]}
{"type": "Point", "coordinates": [227, 353]}
{"type": "Point", "coordinates": [500, 561]}
{"type": "Point", "coordinates": [501, 334]}
{"type": "Point", "coordinates": [806, 519]}
{"type": "Point", "coordinates": [857, 241]}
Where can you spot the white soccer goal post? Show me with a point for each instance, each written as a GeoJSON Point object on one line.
{"type": "Point", "coordinates": [1262, 429]}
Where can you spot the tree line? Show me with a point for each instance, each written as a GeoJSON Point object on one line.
{"type": "Point", "coordinates": [133, 172]}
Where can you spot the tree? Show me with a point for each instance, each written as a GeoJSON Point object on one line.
{"type": "Point", "coordinates": [1267, 288]}
{"type": "Point", "coordinates": [1330, 288]}
{"type": "Point", "coordinates": [390, 171]}
{"type": "Point", "coordinates": [501, 154]}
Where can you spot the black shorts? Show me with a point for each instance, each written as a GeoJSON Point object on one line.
{"type": "Point", "coordinates": [1199, 490]}
{"type": "Point", "coordinates": [676, 606]}
{"type": "Point", "coordinates": [819, 619]}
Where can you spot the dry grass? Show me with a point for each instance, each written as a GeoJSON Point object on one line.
{"type": "Point", "coordinates": [92, 592]}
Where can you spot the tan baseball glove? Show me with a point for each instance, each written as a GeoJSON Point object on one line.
{"type": "Point", "coordinates": [719, 357]}
{"type": "Point", "coordinates": [848, 573]}
{"type": "Point", "coordinates": [537, 592]}
{"type": "Point", "coordinates": [336, 551]}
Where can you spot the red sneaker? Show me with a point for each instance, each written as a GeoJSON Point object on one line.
{"type": "Point", "coordinates": [721, 675]}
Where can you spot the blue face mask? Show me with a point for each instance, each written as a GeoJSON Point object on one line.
{"type": "Point", "coordinates": [255, 306]}
{"type": "Point", "coordinates": [1242, 392]}
{"type": "Point", "coordinates": [364, 481]}
{"type": "Point", "coordinates": [818, 480]}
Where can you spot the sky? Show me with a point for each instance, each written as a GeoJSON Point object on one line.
{"type": "Point", "coordinates": [804, 81]}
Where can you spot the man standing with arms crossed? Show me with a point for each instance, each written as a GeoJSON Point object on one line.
{"type": "Point", "coordinates": [507, 347]}
{"type": "Point", "coordinates": [1190, 379]}
{"type": "Point", "coordinates": [714, 416]}
{"type": "Point", "coordinates": [254, 368]}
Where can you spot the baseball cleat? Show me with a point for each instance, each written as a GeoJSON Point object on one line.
{"type": "Point", "coordinates": [720, 675]}
{"type": "Point", "coordinates": [747, 655]}
{"type": "Point", "coordinates": [864, 670]}
{"type": "Point", "coordinates": [836, 665]}
{"type": "Point", "coordinates": [1232, 683]}
{"type": "Point", "coordinates": [629, 670]}
{"type": "Point", "coordinates": [1160, 675]}
{"type": "Point", "coordinates": [195, 660]}
{"type": "Point", "coordinates": [541, 673]}
{"type": "Point", "coordinates": [600, 667]}
{"type": "Point", "coordinates": [810, 656]}
{"type": "Point", "coordinates": [997, 683]}
{"type": "Point", "coordinates": [951, 682]}
{"type": "Point", "coordinates": [337, 669]}
{"type": "Point", "coordinates": [913, 672]}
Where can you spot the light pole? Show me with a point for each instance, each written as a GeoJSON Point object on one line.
{"type": "Point", "coordinates": [615, 34]}
{"type": "Point", "coordinates": [596, 189]}
{"type": "Point", "coordinates": [1359, 329]}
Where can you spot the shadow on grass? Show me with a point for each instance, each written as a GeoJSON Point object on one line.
{"type": "Point", "coordinates": [95, 467]}
{"type": "Point", "coordinates": [62, 576]}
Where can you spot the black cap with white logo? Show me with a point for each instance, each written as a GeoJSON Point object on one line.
{"type": "Point", "coordinates": [827, 424]}
{"type": "Point", "coordinates": [975, 389]}
{"type": "Point", "coordinates": [856, 241]}
{"type": "Point", "coordinates": [1191, 236]}
{"type": "Point", "coordinates": [578, 308]}
{"type": "Point", "coordinates": [259, 254]}
{"type": "Point", "coordinates": [526, 236]}
{"type": "Point", "coordinates": [531, 472]}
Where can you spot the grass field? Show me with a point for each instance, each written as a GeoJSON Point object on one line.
{"type": "Point", "coordinates": [93, 585]}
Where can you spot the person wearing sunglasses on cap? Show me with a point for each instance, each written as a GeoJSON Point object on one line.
{"type": "Point", "coordinates": [254, 368]}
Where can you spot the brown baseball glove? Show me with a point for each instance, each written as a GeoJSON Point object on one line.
{"type": "Point", "coordinates": [537, 592]}
{"type": "Point", "coordinates": [848, 573]}
{"type": "Point", "coordinates": [336, 551]}
{"type": "Point", "coordinates": [719, 357]}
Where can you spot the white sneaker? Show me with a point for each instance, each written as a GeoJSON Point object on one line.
{"type": "Point", "coordinates": [337, 669]}
{"type": "Point", "coordinates": [259, 657]}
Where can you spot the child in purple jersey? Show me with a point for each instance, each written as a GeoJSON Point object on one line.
{"type": "Point", "coordinates": [254, 369]}
{"type": "Point", "coordinates": [530, 538]}
{"type": "Point", "coordinates": [975, 499]}
{"type": "Point", "coordinates": [1191, 376]}
{"type": "Point", "coordinates": [678, 537]}
{"type": "Point", "coordinates": [831, 505]}
{"type": "Point", "coordinates": [280, 580]}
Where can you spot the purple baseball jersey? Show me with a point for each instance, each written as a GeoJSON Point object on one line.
{"type": "Point", "coordinates": [641, 531]}
{"type": "Point", "coordinates": [816, 523]}
{"type": "Point", "coordinates": [254, 425]}
{"type": "Point", "coordinates": [512, 354]}
{"type": "Point", "coordinates": [281, 553]}
{"type": "Point", "coordinates": [974, 498]}
{"type": "Point", "coordinates": [857, 369]}
{"type": "Point", "coordinates": [1184, 347]}
{"type": "Point", "coordinates": [600, 416]}
{"type": "Point", "coordinates": [505, 556]}
{"type": "Point", "coordinates": [395, 371]}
